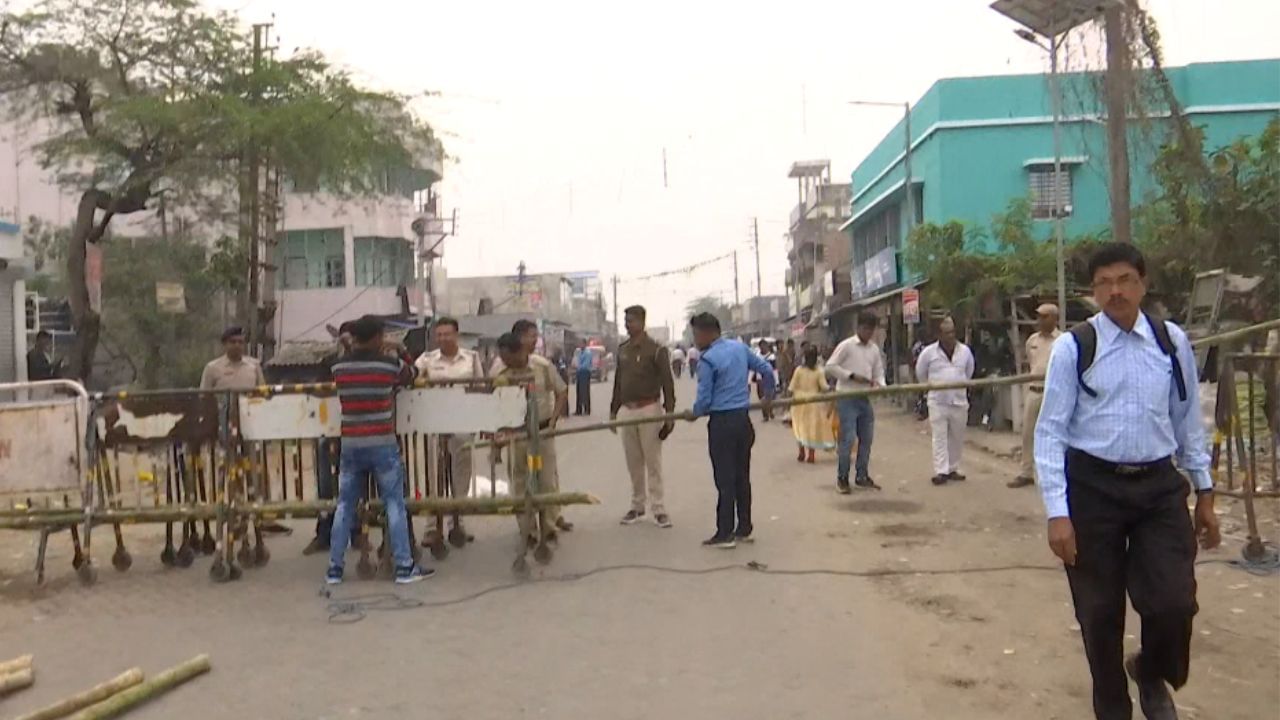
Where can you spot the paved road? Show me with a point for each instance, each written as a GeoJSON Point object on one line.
{"type": "Point", "coordinates": [646, 644]}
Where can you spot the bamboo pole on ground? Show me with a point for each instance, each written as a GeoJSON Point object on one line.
{"type": "Point", "coordinates": [93, 695]}
{"type": "Point", "coordinates": [16, 680]}
{"type": "Point", "coordinates": [147, 690]}
{"type": "Point", "coordinates": [21, 662]}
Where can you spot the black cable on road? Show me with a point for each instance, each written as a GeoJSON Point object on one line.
{"type": "Point", "coordinates": [353, 609]}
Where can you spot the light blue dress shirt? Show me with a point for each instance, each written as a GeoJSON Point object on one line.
{"type": "Point", "coordinates": [723, 373]}
{"type": "Point", "coordinates": [1136, 416]}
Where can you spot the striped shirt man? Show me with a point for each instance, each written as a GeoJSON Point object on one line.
{"type": "Point", "coordinates": [366, 383]}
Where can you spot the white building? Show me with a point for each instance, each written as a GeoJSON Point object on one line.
{"type": "Point", "coordinates": [13, 331]}
{"type": "Point", "coordinates": [338, 259]}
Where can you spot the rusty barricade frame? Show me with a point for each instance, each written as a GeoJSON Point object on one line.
{"type": "Point", "coordinates": [234, 492]}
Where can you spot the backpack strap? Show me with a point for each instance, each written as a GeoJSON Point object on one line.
{"type": "Point", "coordinates": [1161, 331]}
{"type": "Point", "coordinates": [1086, 337]}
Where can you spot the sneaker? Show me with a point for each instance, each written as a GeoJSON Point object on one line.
{"type": "Point", "coordinates": [940, 479]}
{"type": "Point", "coordinates": [722, 543]}
{"type": "Point", "coordinates": [317, 545]}
{"type": "Point", "coordinates": [413, 574]}
{"type": "Point", "coordinates": [662, 520]}
{"type": "Point", "coordinates": [866, 483]}
{"type": "Point", "coordinates": [333, 576]}
{"type": "Point", "coordinates": [1020, 482]}
{"type": "Point", "coordinates": [632, 517]}
{"type": "Point", "coordinates": [842, 486]}
{"type": "Point", "coordinates": [747, 539]}
{"type": "Point", "coordinates": [955, 477]}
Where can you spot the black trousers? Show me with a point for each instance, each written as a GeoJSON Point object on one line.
{"type": "Point", "coordinates": [1133, 532]}
{"type": "Point", "coordinates": [582, 405]}
{"type": "Point", "coordinates": [729, 439]}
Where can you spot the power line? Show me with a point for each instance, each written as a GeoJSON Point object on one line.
{"type": "Point", "coordinates": [679, 271]}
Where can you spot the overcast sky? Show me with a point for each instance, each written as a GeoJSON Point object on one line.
{"type": "Point", "coordinates": [558, 112]}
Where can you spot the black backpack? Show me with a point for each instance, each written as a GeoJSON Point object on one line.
{"type": "Point", "coordinates": [1086, 337]}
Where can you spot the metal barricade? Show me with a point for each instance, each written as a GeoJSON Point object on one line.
{"type": "Point", "coordinates": [1247, 435]}
{"type": "Point", "coordinates": [228, 464]}
{"type": "Point", "coordinates": [43, 464]}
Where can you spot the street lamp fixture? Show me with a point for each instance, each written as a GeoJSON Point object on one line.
{"type": "Point", "coordinates": [906, 154]}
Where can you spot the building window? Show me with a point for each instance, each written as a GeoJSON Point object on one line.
{"type": "Point", "coordinates": [383, 262]}
{"type": "Point", "coordinates": [1046, 194]}
{"type": "Point", "coordinates": [312, 259]}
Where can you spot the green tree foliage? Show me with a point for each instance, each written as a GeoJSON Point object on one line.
{"type": "Point", "coordinates": [711, 304]}
{"type": "Point", "coordinates": [1223, 214]}
{"type": "Point", "coordinates": [167, 349]}
{"type": "Point", "coordinates": [968, 266]}
{"type": "Point", "coordinates": [157, 98]}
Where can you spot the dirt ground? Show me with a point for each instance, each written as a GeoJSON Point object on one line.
{"type": "Point", "coordinates": [975, 623]}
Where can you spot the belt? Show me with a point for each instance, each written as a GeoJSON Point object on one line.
{"type": "Point", "coordinates": [1036, 388]}
{"type": "Point", "coordinates": [640, 404]}
{"type": "Point", "coordinates": [1125, 470]}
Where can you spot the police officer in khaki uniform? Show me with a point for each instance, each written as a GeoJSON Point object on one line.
{"type": "Point", "coordinates": [1038, 347]}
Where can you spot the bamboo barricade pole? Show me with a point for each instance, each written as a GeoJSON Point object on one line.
{"type": "Point", "coordinates": [22, 662]}
{"type": "Point", "coordinates": [909, 388]}
{"type": "Point", "coordinates": [138, 694]}
{"type": "Point", "coordinates": [292, 508]}
{"type": "Point", "coordinates": [16, 680]}
{"type": "Point", "coordinates": [92, 696]}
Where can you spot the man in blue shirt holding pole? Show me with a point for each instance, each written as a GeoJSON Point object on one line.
{"type": "Point", "coordinates": [724, 396]}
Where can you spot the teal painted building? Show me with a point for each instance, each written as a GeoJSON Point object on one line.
{"type": "Point", "coordinates": [978, 143]}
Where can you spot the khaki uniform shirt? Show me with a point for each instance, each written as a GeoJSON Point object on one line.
{"type": "Point", "coordinates": [643, 374]}
{"type": "Point", "coordinates": [465, 365]}
{"type": "Point", "coordinates": [223, 374]}
{"type": "Point", "coordinates": [544, 379]}
{"type": "Point", "coordinates": [1038, 349]}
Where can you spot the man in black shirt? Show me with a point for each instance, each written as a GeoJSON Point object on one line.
{"type": "Point", "coordinates": [40, 362]}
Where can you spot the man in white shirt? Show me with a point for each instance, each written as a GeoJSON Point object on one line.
{"type": "Point", "coordinates": [946, 361]}
{"type": "Point", "coordinates": [1038, 347]}
{"type": "Point", "coordinates": [857, 363]}
{"type": "Point", "coordinates": [449, 361]}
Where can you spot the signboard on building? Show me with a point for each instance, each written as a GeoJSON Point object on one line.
{"type": "Point", "coordinates": [882, 269]}
{"type": "Point", "coordinates": [171, 297]}
{"type": "Point", "coordinates": [911, 305]}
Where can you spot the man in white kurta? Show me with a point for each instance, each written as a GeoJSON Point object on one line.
{"type": "Point", "coordinates": [946, 361]}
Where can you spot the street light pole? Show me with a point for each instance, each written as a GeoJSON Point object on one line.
{"type": "Point", "coordinates": [1058, 209]}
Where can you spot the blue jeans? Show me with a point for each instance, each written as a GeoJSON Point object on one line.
{"type": "Point", "coordinates": [385, 464]}
{"type": "Point", "coordinates": [857, 419]}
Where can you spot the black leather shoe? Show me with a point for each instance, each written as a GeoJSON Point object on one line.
{"type": "Point", "coordinates": [939, 479]}
{"type": "Point", "coordinates": [956, 477]}
{"type": "Point", "coordinates": [1153, 695]}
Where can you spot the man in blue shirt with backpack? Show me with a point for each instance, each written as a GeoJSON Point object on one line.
{"type": "Point", "coordinates": [1121, 404]}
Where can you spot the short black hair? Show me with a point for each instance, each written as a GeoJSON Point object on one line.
{"type": "Point", "coordinates": [1113, 253]}
{"type": "Point", "coordinates": [523, 326]}
{"type": "Point", "coordinates": [636, 311]}
{"type": "Point", "coordinates": [44, 335]}
{"type": "Point", "coordinates": [868, 320]}
{"type": "Point", "coordinates": [448, 321]}
{"type": "Point", "coordinates": [510, 342]}
{"type": "Point", "coordinates": [365, 329]}
{"type": "Point", "coordinates": [705, 321]}
{"type": "Point", "coordinates": [233, 331]}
